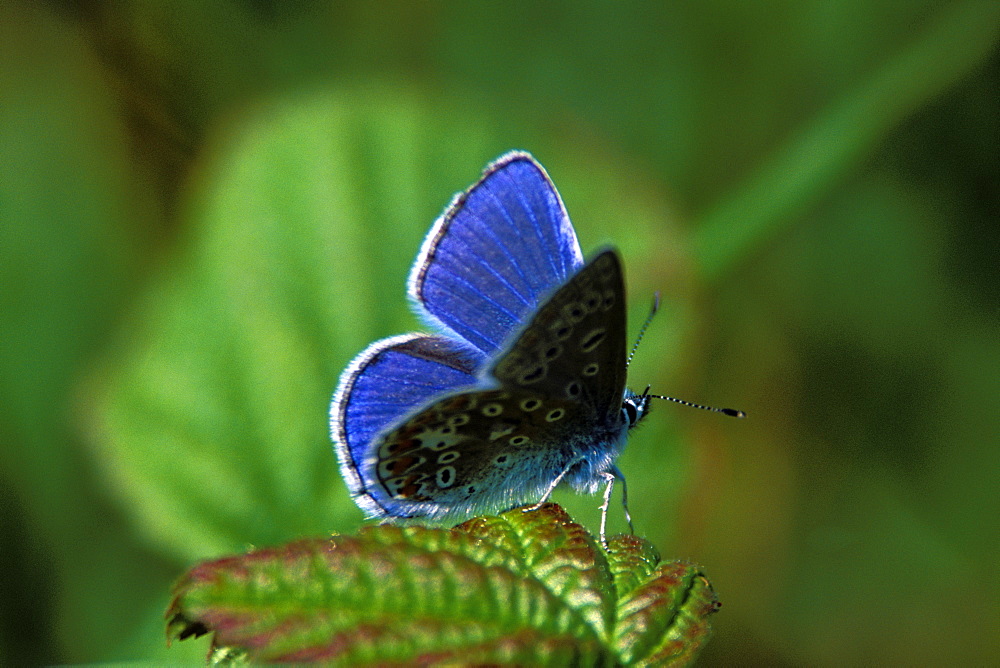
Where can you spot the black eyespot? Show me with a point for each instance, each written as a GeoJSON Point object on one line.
{"type": "Point", "coordinates": [445, 476]}
{"type": "Point", "coordinates": [593, 339]}
{"type": "Point", "coordinates": [591, 369]}
{"type": "Point", "coordinates": [554, 415]}
{"type": "Point", "coordinates": [535, 374]}
{"type": "Point", "coordinates": [573, 390]}
{"type": "Point", "coordinates": [553, 352]}
{"type": "Point", "coordinates": [448, 457]}
{"type": "Point", "coordinates": [458, 420]}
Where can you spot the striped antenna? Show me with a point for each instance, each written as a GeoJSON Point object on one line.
{"type": "Point", "coordinates": [645, 325]}
{"type": "Point", "coordinates": [731, 412]}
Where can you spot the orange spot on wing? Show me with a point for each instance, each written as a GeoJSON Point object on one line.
{"type": "Point", "coordinates": [400, 465]}
{"type": "Point", "coordinates": [407, 445]}
{"type": "Point", "coordinates": [409, 489]}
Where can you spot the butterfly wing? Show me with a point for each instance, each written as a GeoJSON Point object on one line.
{"type": "Point", "coordinates": [387, 381]}
{"type": "Point", "coordinates": [558, 399]}
{"type": "Point", "coordinates": [473, 452]}
{"type": "Point", "coordinates": [497, 251]}
{"type": "Point", "coordinates": [574, 346]}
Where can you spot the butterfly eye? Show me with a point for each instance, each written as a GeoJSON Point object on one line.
{"type": "Point", "coordinates": [630, 413]}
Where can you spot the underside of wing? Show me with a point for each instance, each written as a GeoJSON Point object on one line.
{"type": "Point", "coordinates": [391, 379]}
{"type": "Point", "coordinates": [574, 346]}
{"type": "Point", "coordinates": [477, 451]}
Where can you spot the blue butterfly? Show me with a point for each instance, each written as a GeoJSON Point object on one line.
{"type": "Point", "coordinates": [523, 390]}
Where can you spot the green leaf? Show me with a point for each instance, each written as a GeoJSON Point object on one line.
{"type": "Point", "coordinates": [522, 587]}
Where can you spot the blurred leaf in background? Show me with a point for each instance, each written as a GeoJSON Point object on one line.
{"type": "Point", "coordinates": [208, 208]}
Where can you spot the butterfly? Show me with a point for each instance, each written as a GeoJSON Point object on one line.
{"type": "Point", "coordinates": [522, 389]}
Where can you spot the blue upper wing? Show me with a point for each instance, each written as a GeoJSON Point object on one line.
{"type": "Point", "coordinates": [387, 381]}
{"type": "Point", "coordinates": [495, 254]}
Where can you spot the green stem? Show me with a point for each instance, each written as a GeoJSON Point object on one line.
{"type": "Point", "coordinates": [959, 39]}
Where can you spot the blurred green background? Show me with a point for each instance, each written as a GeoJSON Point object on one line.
{"type": "Point", "coordinates": [208, 209]}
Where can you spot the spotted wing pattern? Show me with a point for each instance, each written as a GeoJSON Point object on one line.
{"type": "Point", "coordinates": [558, 392]}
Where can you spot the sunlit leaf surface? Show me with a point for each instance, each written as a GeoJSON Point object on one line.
{"type": "Point", "coordinates": [522, 588]}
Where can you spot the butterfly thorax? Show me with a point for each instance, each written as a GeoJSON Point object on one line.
{"type": "Point", "coordinates": [598, 452]}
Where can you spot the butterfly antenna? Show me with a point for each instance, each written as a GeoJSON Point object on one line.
{"type": "Point", "coordinates": [642, 330]}
{"type": "Point", "coordinates": [731, 412]}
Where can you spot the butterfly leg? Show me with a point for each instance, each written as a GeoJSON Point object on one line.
{"type": "Point", "coordinates": [555, 483]}
{"type": "Point", "coordinates": [628, 516]}
{"type": "Point", "coordinates": [610, 477]}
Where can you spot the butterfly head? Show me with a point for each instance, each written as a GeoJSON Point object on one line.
{"type": "Point", "coordinates": [634, 407]}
